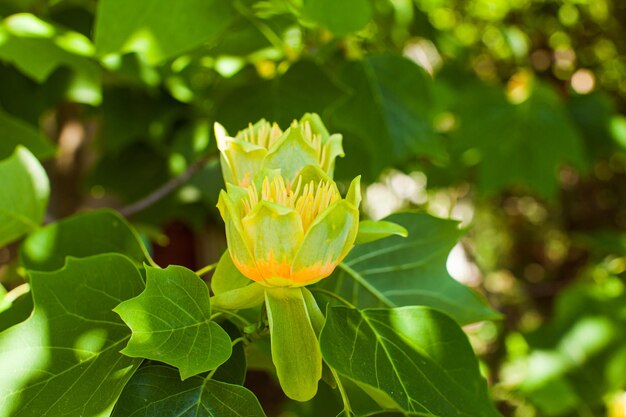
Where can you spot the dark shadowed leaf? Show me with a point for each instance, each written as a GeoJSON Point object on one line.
{"type": "Point", "coordinates": [157, 391]}
{"type": "Point", "coordinates": [388, 116]}
{"type": "Point", "coordinates": [14, 131]}
{"type": "Point", "coordinates": [305, 87]}
{"type": "Point", "coordinates": [85, 234]}
{"type": "Point", "coordinates": [518, 144]}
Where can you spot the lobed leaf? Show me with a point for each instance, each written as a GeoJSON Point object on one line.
{"type": "Point", "coordinates": [171, 322]}
{"type": "Point", "coordinates": [409, 271]}
{"type": "Point", "coordinates": [64, 360]}
{"type": "Point", "coordinates": [157, 391]}
{"type": "Point", "coordinates": [417, 356]}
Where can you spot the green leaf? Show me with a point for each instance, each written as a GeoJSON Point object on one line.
{"type": "Point", "coordinates": [14, 132]}
{"type": "Point", "coordinates": [340, 17]}
{"type": "Point", "coordinates": [295, 349]}
{"type": "Point", "coordinates": [79, 236]}
{"type": "Point", "coordinates": [171, 322]}
{"type": "Point", "coordinates": [396, 95]}
{"type": "Point", "coordinates": [305, 87]}
{"type": "Point", "coordinates": [408, 271]}
{"type": "Point", "coordinates": [580, 353]}
{"type": "Point", "coordinates": [157, 391]}
{"type": "Point", "coordinates": [38, 48]}
{"type": "Point", "coordinates": [23, 199]}
{"type": "Point", "coordinates": [370, 230]}
{"type": "Point", "coordinates": [419, 357]}
{"type": "Point", "coordinates": [233, 371]}
{"type": "Point", "coordinates": [159, 29]}
{"type": "Point", "coordinates": [64, 360]}
{"type": "Point", "coordinates": [15, 306]}
{"type": "Point", "coordinates": [519, 144]}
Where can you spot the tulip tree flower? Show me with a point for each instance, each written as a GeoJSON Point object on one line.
{"type": "Point", "coordinates": [289, 235]}
{"type": "Point", "coordinates": [285, 235]}
{"type": "Point", "coordinates": [263, 147]}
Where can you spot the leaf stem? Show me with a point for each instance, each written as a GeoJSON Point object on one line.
{"type": "Point", "coordinates": [206, 269]}
{"type": "Point", "coordinates": [333, 295]}
{"type": "Point", "coordinates": [239, 339]}
{"type": "Point", "coordinates": [231, 314]}
{"type": "Point", "coordinates": [344, 395]}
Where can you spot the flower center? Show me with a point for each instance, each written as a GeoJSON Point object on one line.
{"type": "Point", "coordinates": [265, 135]}
{"type": "Point", "coordinates": [308, 200]}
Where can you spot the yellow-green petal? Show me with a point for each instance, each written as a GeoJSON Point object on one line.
{"type": "Point", "coordinates": [317, 126]}
{"type": "Point", "coordinates": [332, 149]}
{"type": "Point", "coordinates": [275, 233]}
{"type": "Point", "coordinates": [314, 173]}
{"type": "Point", "coordinates": [240, 160]}
{"type": "Point", "coordinates": [354, 192]}
{"type": "Point", "coordinates": [240, 252]}
{"type": "Point", "coordinates": [291, 153]}
{"type": "Point", "coordinates": [326, 243]}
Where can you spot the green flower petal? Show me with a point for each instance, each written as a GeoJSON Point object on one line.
{"type": "Point", "coordinates": [354, 192]}
{"type": "Point", "coordinates": [317, 126]}
{"type": "Point", "coordinates": [291, 153]}
{"type": "Point", "coordinates": [276, 233]}
{"type": "Point", "coordinates": [332, 149]}
{"type": "Point", "coordinates": [240, 160]}
{"type": "Point", "coordinates": [314, 173]}
{"type": "Point", "coordinates": [326, 243]}
{"type": "Point", "coordinates": [238, 247]}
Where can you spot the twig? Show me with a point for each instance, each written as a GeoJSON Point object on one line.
{"type": "Point", "coordinates": [162, 192]}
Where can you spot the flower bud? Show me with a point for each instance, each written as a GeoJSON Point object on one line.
{"type": "Point", "coordinates": [264, 147]}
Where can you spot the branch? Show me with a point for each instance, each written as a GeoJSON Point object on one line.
{"type": "Point", "coordinates": [163, 191]}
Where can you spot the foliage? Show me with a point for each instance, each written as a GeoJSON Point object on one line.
{"type": "Point", "coordinates": [496, 128]}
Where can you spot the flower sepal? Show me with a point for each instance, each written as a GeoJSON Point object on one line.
{"type": "Point", "coordinates": [232, 289]}
{"type": "Point", "coordinates": [295, 348]}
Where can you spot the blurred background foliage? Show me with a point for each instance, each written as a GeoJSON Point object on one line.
{"type": "Point", "coordinates": [507, 115]}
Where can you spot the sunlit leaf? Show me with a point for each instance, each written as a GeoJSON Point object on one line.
{"type": "Point", "coordinates": [159, 29]}
{"type": "Point", "coordinates": [171, 322]}
{"type": "Point", "coordinates": [400, 271]}
{"type": "Point", "coordinates": [340, 17]}
{"type": "Point", "coordinates": [23, 195]}
{"type": "Point", "coordinates": [419, 357]}
{"type": "Point", "coordinates": [15, 306]}
{"type": "Point", "coordinates": [64, 360]}
{"type": "Point", "coordinates": [38, 48]}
